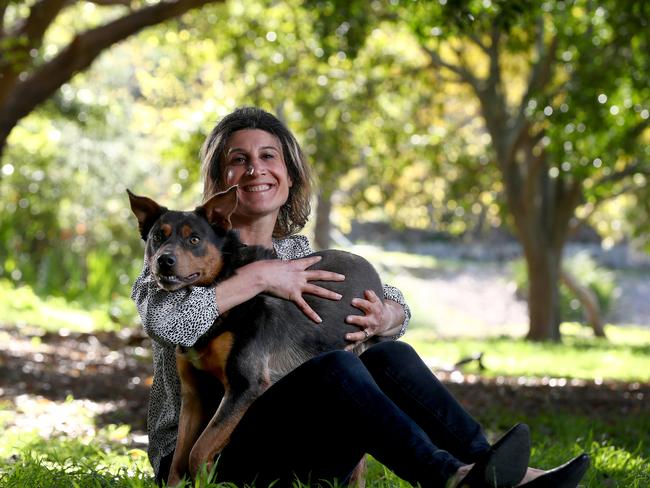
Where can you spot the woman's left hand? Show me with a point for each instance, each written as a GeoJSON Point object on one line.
{"type": "Point", "coordinates": [373, 322]}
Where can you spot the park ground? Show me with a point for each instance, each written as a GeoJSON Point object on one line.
{"type": "Point", "coordinates": [92, 387]}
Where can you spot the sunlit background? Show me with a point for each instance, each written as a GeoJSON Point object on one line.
{"type": "Point", "coordinates": [456, 144]}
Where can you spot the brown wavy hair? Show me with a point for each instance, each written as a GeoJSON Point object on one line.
{"type": "Point", "coordinates": [295, 212]}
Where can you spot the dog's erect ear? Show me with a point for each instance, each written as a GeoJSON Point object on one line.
{"type": "Point", "coordinates": [220, 207]}
{"type": "Point", "coordinates": [146, 211]}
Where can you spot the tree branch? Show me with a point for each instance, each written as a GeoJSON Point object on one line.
{"type": "Point", "coordinates": [105, 3]}
{"type": "Point", "coordinates": [636, 167]}
{"type": "Point", "coordinates": [577, 223]}
{"type": "Point", "coordinates": [16, 55]}
{"type": "Point", "coordinates": [587, 299]}
{"type": "Point", "coordinates": [630, 136]}
{"type": "Point", "coordinates": [82, 51]}
{"type": "Point", "coordinates": [566, 203]}
{"type": "Point", "coordinates": [438, 62]}
{"type": "Point", "coordinates": [41, 16]}
{"type": "Point", "coordinates": [639, 168]}
{"type": "Point", "coordinates": [459, 51]}
{"type": "Point", "coordinates": [3, 9]}
{"type": "Point", "coordinates": [477, 40]}
{"type": "Point", "coordinates": [540, 74]}
{"type": "Point", "coordinates": [494, 78]}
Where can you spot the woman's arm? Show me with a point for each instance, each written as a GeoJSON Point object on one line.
{"type": "Point", "coordinates": [283, 279]}
{"type": "Point", "coordinates": [183, 316]}
{"type": "Point", "coordinates": [401, 321]}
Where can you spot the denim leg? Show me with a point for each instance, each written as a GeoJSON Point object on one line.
{"type": "Point", "coordinates": [404, 378]}
{"type": "Point", "coordinates": [317, 422]}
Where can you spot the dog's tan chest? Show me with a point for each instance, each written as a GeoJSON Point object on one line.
{"type": "Point", "coordinates": [213, 357]}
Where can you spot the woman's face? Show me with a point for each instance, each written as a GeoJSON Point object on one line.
{"type": "Point", "coordinates": [255, 162]}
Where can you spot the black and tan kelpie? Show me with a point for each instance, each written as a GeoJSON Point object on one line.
{"type": "Point", "coordinates": [251, 346]}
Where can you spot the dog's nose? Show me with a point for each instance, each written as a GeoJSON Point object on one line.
{"type": "Point", "coordinates": [166, 260]}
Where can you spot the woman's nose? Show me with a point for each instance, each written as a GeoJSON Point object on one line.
{"type": "Point", "coordinates": [255, 166]}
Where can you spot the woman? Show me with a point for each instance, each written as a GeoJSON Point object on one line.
{"type": "Point", "coordinates": [318, 421]}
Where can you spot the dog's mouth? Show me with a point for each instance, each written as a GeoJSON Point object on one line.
{"type": "Point", "coordinates": [172, 281]}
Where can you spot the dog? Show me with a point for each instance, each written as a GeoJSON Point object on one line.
{"type": "Point", "coordinates": [251, 346]}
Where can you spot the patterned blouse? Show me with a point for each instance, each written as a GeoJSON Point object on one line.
{"type": "Point", "coordinates": [181, 318]}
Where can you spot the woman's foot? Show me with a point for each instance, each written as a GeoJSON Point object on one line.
{"type": "Point", "coordinates": [459, 475]}
{"type": "Point", "coordinates": [566, 476]}
{"type": "Point", "coordinates": [503, 465]}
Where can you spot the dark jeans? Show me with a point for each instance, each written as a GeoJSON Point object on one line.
{"type": "Point", "coordinates": [318, 421]}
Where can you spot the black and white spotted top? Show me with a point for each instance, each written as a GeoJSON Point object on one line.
{"type": "Point", "coordinates": [181, 318]}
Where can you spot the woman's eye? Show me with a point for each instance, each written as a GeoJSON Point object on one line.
{"type": "Point", "coordinates": [194, 240]}
{"type": "Point", "coordinates": [238, 160]}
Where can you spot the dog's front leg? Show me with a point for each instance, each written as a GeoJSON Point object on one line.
{"type": "Point", "coordinates": [199, 400]}
{"type": "Point", "coordinates": [217, 433]}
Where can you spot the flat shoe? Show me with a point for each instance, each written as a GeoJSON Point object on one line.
{"type": "Point", "coordinates": [504, 464]}
{"type": "Point", "coordinates": [566, 476]}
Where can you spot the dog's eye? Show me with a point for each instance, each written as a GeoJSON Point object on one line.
{"type": "Point", "coordinates": [194, 240]}
{"type": "Point", "coordinates": [156, 237]}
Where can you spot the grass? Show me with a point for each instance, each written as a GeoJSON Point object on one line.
{"type": "Point", "coordinates": [63, 462]}
{"type": "Point", "coordinates": [619, 459]}
{"type": "Point", "coordinates": [42, 455]}
{"type": "Point", "coordinates": [625, 355]}
{"type": "Point", "coordinates": [619, 446]}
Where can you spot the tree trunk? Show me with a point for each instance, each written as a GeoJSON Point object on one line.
{"type": "Point", "coordinates": [543, 294]}
{"type": "Point", "coordinates": [3, 144]}
{"type": "Point", "coordinates": [323, 226]}
{"type": "Point", "coordinates": [588, 301]}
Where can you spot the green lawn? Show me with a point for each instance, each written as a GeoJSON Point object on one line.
{"type": "Point", "coordinates": [619, 444]}
{"type": "Point", "coordinates": [624, 355]}
{"type": "Point", "coordinates": [619, 458]}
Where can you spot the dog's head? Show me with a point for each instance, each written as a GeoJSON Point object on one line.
{"type": "Point", "coordinates": [184, 248]}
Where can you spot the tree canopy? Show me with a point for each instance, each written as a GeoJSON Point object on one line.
{"type": "Point", "coordinates": [458, 116]}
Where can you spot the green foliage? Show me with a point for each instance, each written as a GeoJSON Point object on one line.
{"type": "Point", "coordinates": [598, 279]}
{"type": "Point", "coordinates": [390, 138]}
{"type": "Point", "coordinates": [343, 25]}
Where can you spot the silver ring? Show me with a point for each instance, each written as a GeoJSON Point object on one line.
{"type": "Point", "coordinates": [365, 332]}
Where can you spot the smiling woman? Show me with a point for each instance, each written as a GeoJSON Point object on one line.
{"type": "Point", "coordinates": [228, 156]}
{"type": "Point", "coordinates": [255, 163]}
{"type": "Point", "coordinates": [385, 401]}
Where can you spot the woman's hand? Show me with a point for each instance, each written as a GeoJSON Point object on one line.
{"type": "Point", "coordinates": [378, 319]}
{"type": "Point", "coordinates": [290, 279]}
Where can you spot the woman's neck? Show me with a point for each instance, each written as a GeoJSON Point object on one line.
{"type": "Point", "coordinates": [256, 234]}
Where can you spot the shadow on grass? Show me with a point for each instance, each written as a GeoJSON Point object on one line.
{"type": "Point", "coordinates": [106, 367]}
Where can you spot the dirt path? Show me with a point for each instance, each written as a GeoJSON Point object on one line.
{"type": "Point", "coordinates": [74, 384]}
